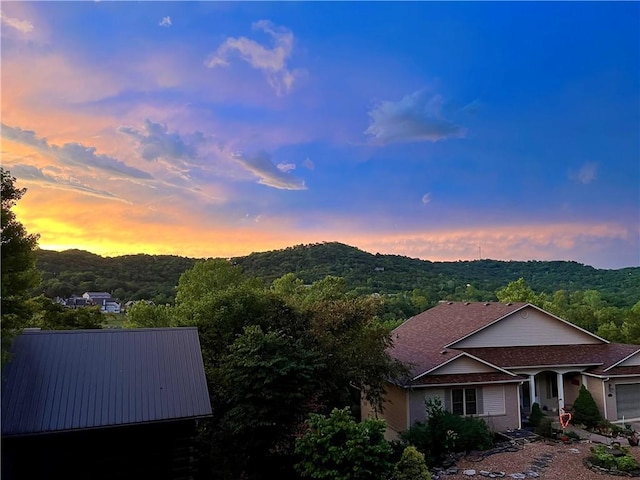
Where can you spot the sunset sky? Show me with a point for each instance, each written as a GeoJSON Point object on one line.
{"type": "Point", "coordinates": [440, 131]}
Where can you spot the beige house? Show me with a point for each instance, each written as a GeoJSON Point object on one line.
{"type": "Point", "coordinates": [494, 360]}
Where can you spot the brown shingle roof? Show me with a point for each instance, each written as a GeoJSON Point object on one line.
{"type": "Point", "coordinates": [420, 340]}
{"type": "Point", "coordinates": [603, 355]}
{"type": "Point", "coordinates": [467, 378]}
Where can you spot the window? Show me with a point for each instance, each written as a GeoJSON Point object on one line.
{"type": "Point", "coordinates": [464, 401]}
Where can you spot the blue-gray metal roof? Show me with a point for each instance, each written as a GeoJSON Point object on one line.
{"type": "Point", "coordinates": [77, 379]}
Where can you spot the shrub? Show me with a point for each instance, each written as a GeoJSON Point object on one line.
{"type": "Point", "coordinates": [627, 463]}
{"type": "Point", "coordinates": [339, 448]}
{"type": "Point", "coordinates": [445, 432]}
{"type": "Point", "coordinates": [601, 456]}
{"type": "Point", "coordinates": [585, 410]}
{"type": "Point", "coordinates": [411, 466]}
{"type": "Point", "coordinates": [536, 415]}
{"type": "Point", "coordinates": [544, 428]}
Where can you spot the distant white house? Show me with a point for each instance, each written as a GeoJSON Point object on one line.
{"type": "Point", "coordinates": [88, 299]}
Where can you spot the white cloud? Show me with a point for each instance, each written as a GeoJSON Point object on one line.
{"type": "Point", "coordinates": [286, 167]}
{"type": "Point", "coordinates": [165, 22]}
{"type": "Point", "coordinates": [23, 26]}
{"type": "Point", "coordinates": [73, 154]}
{"type": "Point", "coordinates": [415, 118]}
{"type": "Point", "coordinates": [271, 61]}
{"type": "Point", "coordinates": [426, 198]}
{"type": "Point", "coordinates": [261, 166]}
{"type": "Point", "coordinates": [587, 173]}
{"type": "Point", "coordinates": [29, 173]}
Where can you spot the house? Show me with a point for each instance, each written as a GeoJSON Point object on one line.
{"type": "Point", "coordinates": [102, 404]}
{"type": "Point", "coordinates": [494, 360]}
{"type": "Point", "coordinates": [104, 300]}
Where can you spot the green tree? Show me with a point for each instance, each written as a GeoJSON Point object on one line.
{"type": "Point", "coordinates": [48, 315]}
{"type": "Point", "coordinates": [518, 291]}
{"type": "Point", "coordinates": [585, 410]}
{"type": "Point", "coordinates": [411, 466]}
{"type": "Point", "coordinates": [19, 273]}
{"type": "Point", "coordinates": [143, 314]}
{"type": "Point", "coordinates": [355, 346]}
{"type": "Point", "coordinates": [339, 448]}
{"type": "Point", "coordinates": [269, 378]}
{"type": "Point", "coordinates": [205, 277]}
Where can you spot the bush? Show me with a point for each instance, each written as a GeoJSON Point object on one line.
{"type": "Point", "coordinates": [601, 456]}
{"type": "Point", "coordinates": [411, 466]}
{"type": "Point", "coordinates": [339, 448]}
{"type": "Point", "coordinates": [536, 415]}
{"type": "Point", "coordinates": [585, 410]}
{"type": "Point", "coordinates": [544, 428]}
{"type": "Point", "coordinates": [445, 433]}
{"type": "Point", "coordinates": [627, 463]}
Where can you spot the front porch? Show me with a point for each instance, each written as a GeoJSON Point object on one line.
{"type": "Point", "coordinates": [553, 390]}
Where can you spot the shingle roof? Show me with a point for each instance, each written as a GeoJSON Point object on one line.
{"type": "Point", "coordinates": [420, 340]}
{"type": "Point", "coordinates": [604, 355]}
{"type": "Point", "coordinates": [467, 378]}
{"type": "Point", "coordinates": [67, 380]}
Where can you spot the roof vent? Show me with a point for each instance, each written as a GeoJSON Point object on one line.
{"type": "Point", "coordinates": [444, 352]}
{"type": "Point", "coordinates": [487, 304]}
{"type": "Point", "coordinates": [450, 303]}
{"type": "Point", "coordinates": [509, 304]}
{"type": "Point", "coordinates": [467, 303]}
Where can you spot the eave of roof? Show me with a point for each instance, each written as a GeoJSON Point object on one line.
{"type": "Point", "coordinates": [80, 379]}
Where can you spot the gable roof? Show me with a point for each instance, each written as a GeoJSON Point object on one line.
{"type": "Point", "coordinates": [76, 379]}
{"type": "Point", "coordinates": [421, 341]}
{"type": "Point", "coordinates": [432, 339]}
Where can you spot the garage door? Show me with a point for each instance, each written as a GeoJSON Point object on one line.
{"type": "Point", "coordinates": [628, 400]}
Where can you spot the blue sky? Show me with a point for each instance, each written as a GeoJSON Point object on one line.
{"type": "Point", "coordinates": [441, 131]}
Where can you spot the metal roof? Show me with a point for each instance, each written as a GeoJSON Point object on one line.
{"type": "Point", "coordinates": [77, 379]}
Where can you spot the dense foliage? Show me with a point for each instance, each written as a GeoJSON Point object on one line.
{"type": "Point", "coordinates": [19, 274]}
{"type": "Point", "coordinates": [444, 432]}
{"type": "Point", "coordinates": [337, 447]}
{"type": "Point", "coordinates": [413, 284]}
{"type": "Point", "coordinates": [273, 355]}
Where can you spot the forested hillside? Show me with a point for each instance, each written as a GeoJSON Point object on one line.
{"type": "Point", "coordinates": [154, 277]}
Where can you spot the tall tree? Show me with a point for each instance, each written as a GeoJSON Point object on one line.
{"type": "Point", "coordinates": [19, 273]}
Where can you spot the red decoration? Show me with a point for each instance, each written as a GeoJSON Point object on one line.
{"type": "Point", "coordinates": [565, 418]}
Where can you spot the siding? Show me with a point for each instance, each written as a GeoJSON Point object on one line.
{"type": "Point", "coordinates": [631, 361]}
{"type": "Point", "coordinates": [527, 327]}
{"type": "Point", "coordinates": [463, 364]}
{"type": "Point", "coordinates": [395, 408]}
{"type": "Point", "coordinates": [594, 385]}
{"type": "Point", "coordinates": [417, 398]}
{"type": "Point", "coordinates": [494, 400]}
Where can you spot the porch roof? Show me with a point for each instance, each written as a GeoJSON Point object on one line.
{"type": "Point", "coordinates": [466, 379]}
{"type": "Point", "coordinates": [601, 356]}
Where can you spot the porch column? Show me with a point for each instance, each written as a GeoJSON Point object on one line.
{"type": "Point", "coordinates": [560, 392]}
{"type": "Point", "coordinates": [532, 389]}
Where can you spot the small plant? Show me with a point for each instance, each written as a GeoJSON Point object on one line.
{"type": "Point", "coordinates": [627, 463]}
{"type": "Point", "coordinates": [544, 428]}
{"type": "Point", "coordinates": [572, 435]}
{"type": "Point", "coordinates": [411, 466]}
{"type": "Point", "coordinates": [603, 457]}
{"type": "Point", "coordinates": [536, 415]}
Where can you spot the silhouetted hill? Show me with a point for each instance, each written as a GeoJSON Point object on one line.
{"type": "Point", "coordinates": [155, 276]}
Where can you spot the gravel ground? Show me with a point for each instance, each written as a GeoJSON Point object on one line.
{"type": "Point", "coordinates": [565, 462]}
